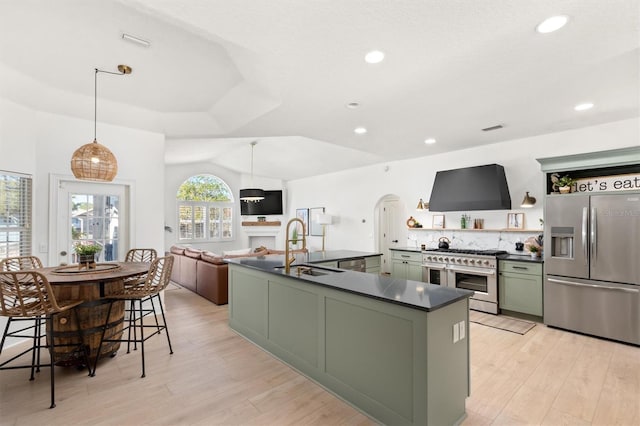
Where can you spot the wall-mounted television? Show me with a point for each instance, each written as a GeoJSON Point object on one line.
{"type": "Point", "coordinates": [272, 204]}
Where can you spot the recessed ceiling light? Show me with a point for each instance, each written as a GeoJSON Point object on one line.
{"type": "Point", "coordinates": [353, 105]}
{"type": "Point", "coordinates": [360, 130]}
{"type": "Point", "coordinates": [583, 107]}
{"type": "Point", "coordinates": [374, 57]}
{"type": "Point", "coordinates": [552, 24]}
{"type": "Point", "coordinates": [430, 141]}
{"type": "Point", "coordinates": [136, 40]}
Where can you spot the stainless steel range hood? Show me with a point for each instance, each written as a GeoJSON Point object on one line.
{"type": "Point", "coordinates": [470, 188]}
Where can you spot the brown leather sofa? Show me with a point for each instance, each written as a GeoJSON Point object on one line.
{"type": "Point", "coordinates": [202, 272]}
{"type": "Point", "coordinates": [206, 273]}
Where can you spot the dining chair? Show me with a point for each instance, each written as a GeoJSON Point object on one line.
{"type": "Point", "coordinates": [27, 296]}
{"type": "Point", "coordinates": [20, 263]}
{"type": "Point", "coordinates": [156, 281]}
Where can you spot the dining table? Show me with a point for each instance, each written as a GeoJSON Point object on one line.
{"type": "Point", "coordinates": [93, 286]}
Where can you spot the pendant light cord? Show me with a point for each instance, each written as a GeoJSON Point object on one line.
{"type": "Point", "coordinates": [253, 144]}
{"type": "Point", "coordinates": [95, 106]}
{"type": "Point", "coordinates": [95, 99]}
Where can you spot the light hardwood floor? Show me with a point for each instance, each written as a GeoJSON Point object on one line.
{"type": "Point", "coordinates": [545, 377]}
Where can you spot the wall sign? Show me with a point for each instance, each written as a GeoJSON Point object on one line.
{"type": "Point", "coordinates": [608, 183]}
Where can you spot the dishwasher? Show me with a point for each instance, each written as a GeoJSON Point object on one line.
{"type": "Point", "coordinates": [357, 264]}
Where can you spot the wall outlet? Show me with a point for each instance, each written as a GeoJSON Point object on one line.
{"type": "Point", "coordinates": [43, 248]}
{"type": "Point", "coordinates": [456, 332]}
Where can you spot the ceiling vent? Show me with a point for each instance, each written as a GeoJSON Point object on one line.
{"type": "Point", "coordinates": [496, 127]}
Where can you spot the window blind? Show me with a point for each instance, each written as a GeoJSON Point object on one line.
{"type": "Point", "coordinates": [15, 214]}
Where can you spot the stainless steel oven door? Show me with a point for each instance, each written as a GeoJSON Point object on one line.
{"type": "Point", "coordinates": [434, 273]}
{"type": "Point", "coordinates": [482, 281]}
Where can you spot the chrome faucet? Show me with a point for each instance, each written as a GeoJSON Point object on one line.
{"type": "Point", "coordinates": [289, 258]}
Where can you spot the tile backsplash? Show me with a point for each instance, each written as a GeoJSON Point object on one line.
{"type": "Point", "coordinates": [476, 240]}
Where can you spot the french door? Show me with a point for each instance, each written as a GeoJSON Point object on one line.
{"type": "Point", "coordinates": [91, 213]}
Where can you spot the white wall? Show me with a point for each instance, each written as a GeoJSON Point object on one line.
{"type": "Point", "coordinates": [41, 144]}
{"type": "Point", "coordinates": [140, 156]}
{"type": "Point", "coordinates": [352, 195]}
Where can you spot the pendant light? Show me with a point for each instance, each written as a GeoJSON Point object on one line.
{"type": "Point", "coordinates": [94, 161]}
{"type": "Point", "coordinates": [252, 194]}
{"type": "Point", "coordinates": [528, 201]}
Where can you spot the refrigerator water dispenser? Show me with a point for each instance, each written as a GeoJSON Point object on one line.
{"type": "Point", "coordinates": [562, 241]}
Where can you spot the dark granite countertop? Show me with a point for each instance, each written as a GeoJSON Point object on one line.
{"type": "Point", "coordinates": [333, 255]}
{"type": "Point", "coordinates": [520, 258]}
{"type": "Point", "coordinates": [413, 294]}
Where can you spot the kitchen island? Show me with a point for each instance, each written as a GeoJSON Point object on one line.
{"type": "Point", "coordinates": [398, 350]}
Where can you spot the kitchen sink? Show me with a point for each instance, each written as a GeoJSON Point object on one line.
{"type": "Point", "coordinates": [313, 271]}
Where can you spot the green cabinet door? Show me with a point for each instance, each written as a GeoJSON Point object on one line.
{"type": "Point", "coordinates": [399, 269]}
{"type": "Point", "coordinates": [414, 271]}
{"type": "Point", "coordinates": [520, 287]}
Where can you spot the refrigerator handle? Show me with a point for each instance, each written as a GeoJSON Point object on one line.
{"type": "Point", "coordinates": [585, 221]}
{"type": "Point", "coordinates": [594, 235]}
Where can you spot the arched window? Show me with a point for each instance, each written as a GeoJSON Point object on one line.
{"type": "Point", "coordinates": [205, 209]}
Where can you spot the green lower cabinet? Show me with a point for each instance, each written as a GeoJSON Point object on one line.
{"type": "Point", "coordinates": [520, 287]}
{"type": "Point", "coordinates": [406, 265]}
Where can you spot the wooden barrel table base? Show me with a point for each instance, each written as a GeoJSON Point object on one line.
{"type": "Point", "coordinates": [94, 288]}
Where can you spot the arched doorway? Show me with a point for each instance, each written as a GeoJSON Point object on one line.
{"type": "Point", "coordinates": [389, 227]}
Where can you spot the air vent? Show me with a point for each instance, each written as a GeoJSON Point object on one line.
{"type": "Point", "coordinates": [496, 127]}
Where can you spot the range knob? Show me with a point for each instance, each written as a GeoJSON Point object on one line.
{"type": "Point", "coordinates": [472, 261]}
{"type": "Point", "coordinates": [486, 262]}
{"type": "Point", "coordinates": [446, 259]}
{"type": "Point", "coordinates": [440, 259]}
{"type": "Point", "coordinates": [465, 260]}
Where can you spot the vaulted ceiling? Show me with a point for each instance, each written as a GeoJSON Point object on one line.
{"type": "Point", "coordinates": [219, 74]}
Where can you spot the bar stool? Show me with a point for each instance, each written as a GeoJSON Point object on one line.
{"type": "Point", "coordinates": [27, 296]}
{"type": "Point", "coordinates": [156, 281]}
{"type": "Point", "coordinates": [137, 255]}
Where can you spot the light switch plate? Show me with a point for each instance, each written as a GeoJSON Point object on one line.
{"type": "Point", "coordinates": [462, 329]}
{"type": "Point", "coordinates": [456, 332]}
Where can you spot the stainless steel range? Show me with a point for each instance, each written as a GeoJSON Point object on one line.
{"type": "Point", "coordinates": [475, 270]}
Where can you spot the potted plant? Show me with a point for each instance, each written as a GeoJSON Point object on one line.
{"type": "Point", "coordinates": [87, 254]}
{"type": "Point", "coordinates": [565, 183]}
{"type": "Point", "coordinates": [534, 250]}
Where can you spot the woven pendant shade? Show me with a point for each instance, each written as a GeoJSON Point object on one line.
{"type": "Point", "coordinates": [93, 161]}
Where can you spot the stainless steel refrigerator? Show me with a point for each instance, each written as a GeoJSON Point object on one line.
{"type": "Point", "coordinates": [592, 264]}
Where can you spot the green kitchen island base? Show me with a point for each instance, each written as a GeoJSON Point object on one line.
{"type": "Point", "coordinates": [396, 363]}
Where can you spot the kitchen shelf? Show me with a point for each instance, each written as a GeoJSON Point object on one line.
{"type": "Point", "coordinates": [478, 230]}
